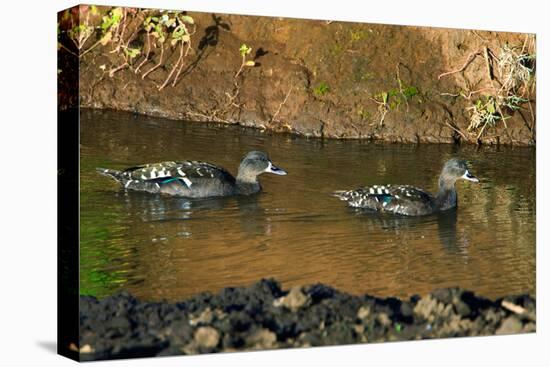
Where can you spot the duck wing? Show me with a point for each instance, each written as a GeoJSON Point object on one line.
{"type": "Point", "coordinates": [397, 199]}
{"type": "Point", "coordinates": [185, 171]}
{"type": "Point", "coordinates": [185, 178]}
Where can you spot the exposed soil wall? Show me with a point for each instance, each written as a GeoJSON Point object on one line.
{"type": "Point", "coordinates": [263, 316]}
{"type": "Point", "coordinates": [317, 78]}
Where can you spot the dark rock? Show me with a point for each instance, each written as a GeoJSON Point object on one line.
{"type": "Point", "coordinates": [263, 316]}
{"type": "Point", "coordinates": [444, 295]}
{"type": "Point", "coordinates": [462, 309]}
{"type": "Point", "coordinates": [510, 325]}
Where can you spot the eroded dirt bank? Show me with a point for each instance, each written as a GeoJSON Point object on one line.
{"type": "Point", "coordinates": [315, 78]}
{"type": "Point", "coordinates": [263, 316]}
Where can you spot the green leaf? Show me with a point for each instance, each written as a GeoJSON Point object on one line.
{"type": "Point", "coordinates": [132, 52]}
{"type": "Point", "coordinates": [116, 12]}
{"type": "Point", "coordinates": [187, 19]}
{"type": "Point", "coordinates": [491, 107]}
{"type": "Point", "coordinates": [106, 38]}
{"type": "Point", "coordinates": [244, 49]}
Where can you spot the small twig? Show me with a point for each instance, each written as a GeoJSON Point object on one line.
{"type": "Point", "coordinates": [382, 110]}
{"type": "Point", "coordinates": [121, 37]}
{"type": "Point", "coordinates": [481, 131]}
{"type": "Point", "coordinates": [479, 36]}
{"type": "Point", "coordinates": [457, 130]}
{"type": "Point", "coordinates": [181, 65]}
{"type": "Point", "coordinates": [502, 115]}
{"type": "Point", "coordinates": [66, 49]}
{"type": "Point", "coordinates": [471, 58]}
{"type": "Point", "coordinates": [157, 65]}
{"type": "Point", "coordinates": [113, 71]}
{"type": "Point", "coordinates": [281, 105]}
{"type": "Point", "coordinates": [531, 109]}
{"type": "Point", "coordinates": [401, 86]}
{"type": "Point", "coordinates": [140, 17]}
{"type": "Point", "coordinates": [470, 94]}
{"type": "Point", "coordinates": [512, 307]}
{"type": "Point", "coordinates": [241, 68]}
{"type": "Point", "coordinates": [467, 96]}
{"type": "Point", "coordinates": [180, 58]}
{"type": "Point", "coordinates": [91, 48]}
{"type": "Point", "coordinates": [146, 55]}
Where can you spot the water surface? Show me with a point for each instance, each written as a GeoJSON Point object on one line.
{"type": "Point", "coordinates": [161, 247]}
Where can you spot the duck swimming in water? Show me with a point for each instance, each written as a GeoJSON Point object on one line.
{"type": "Point", "coordinates": [410, 200]}
{"type": "Point", "coordinates": [195, 179]}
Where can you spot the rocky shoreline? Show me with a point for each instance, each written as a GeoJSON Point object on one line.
{"type": "Point", "coordinates": [264, 316]}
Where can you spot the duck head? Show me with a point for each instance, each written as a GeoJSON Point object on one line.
{"type": "Point", "coordinates": [455, 169]}
{"type": "Point", "coordinates": [254, 164]}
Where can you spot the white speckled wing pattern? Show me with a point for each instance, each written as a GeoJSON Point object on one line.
{"type": "Point", "coordinates": [188, 169]}
{"type": "Point", "coordinates": [150, 177]}
{"type": "Point", "coordinates": [397, 199]}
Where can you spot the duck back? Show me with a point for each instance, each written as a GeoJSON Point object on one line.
{"type": "Point", "coordinates": [396, 199]}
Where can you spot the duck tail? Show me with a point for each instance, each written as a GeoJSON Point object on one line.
{"type": "Point", "coordinates": [112, 173]}
{"type": "Point", "coordinates": [340, 194]}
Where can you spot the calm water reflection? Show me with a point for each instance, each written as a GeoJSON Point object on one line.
{"type": "Point", "coordinates": [169, 248]}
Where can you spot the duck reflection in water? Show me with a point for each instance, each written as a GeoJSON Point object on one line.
{"type": "Point", "coordinates": [450, 239]}
{"type": "Point", "coordinates": [191, 213]}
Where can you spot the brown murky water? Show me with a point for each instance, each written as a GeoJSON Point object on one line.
{"type": "Point", "coordinates": [170, 248]}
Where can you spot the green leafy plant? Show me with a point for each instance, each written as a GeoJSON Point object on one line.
{"type": "Point", "coordinates": [393, 98]}
{"type": "Point", "coordinates": [111, 20]}
{"type": "Point", "coordinates": [484, 112]}
{"type": "Point", "coordinates": [244, 50]}
{"type": "Point", "coordinates": [180, 37]}
{"type": "Point", "coordinates": [357, 35]}
{"type": "Point", "coordinates": [119, 27]}
{"type": "Point", "coordinates": [381, 99]}
{"type": "Point", "coordinates": [511, 83]}
{"type": "Point", "coordinates": [514, 102]}
{"type": "Point", "coordinates": [321, 89]}
{"type": "Point", "coordinates": [171, 28]}
{"type": "Point", "coordinates": [363, 114]}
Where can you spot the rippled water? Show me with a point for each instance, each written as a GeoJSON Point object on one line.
{"type": "Point", "coordinates": [168, 248]}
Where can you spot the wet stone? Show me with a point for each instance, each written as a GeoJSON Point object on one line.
{"type": "Point", "coordinates": [207, 337]}
{"type": "Point", "coordinates": [510, 325]}
{"type": "Point", "coordinates": [293, 300]}
{"type": "Point", "coordinates": [262, 339]}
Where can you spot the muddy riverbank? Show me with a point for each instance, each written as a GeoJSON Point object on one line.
{"type": "Point", "coordinates": [315, 78]}
{"type": "Point", "coordinates": [264, 316]}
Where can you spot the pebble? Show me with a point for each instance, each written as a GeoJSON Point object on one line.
{"type": "Point", "coordinates": [293, 300]}
{"type": "Point", "coordinates": [510, 325]}
{"type": "Point", "coordinates": [207, 337]}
